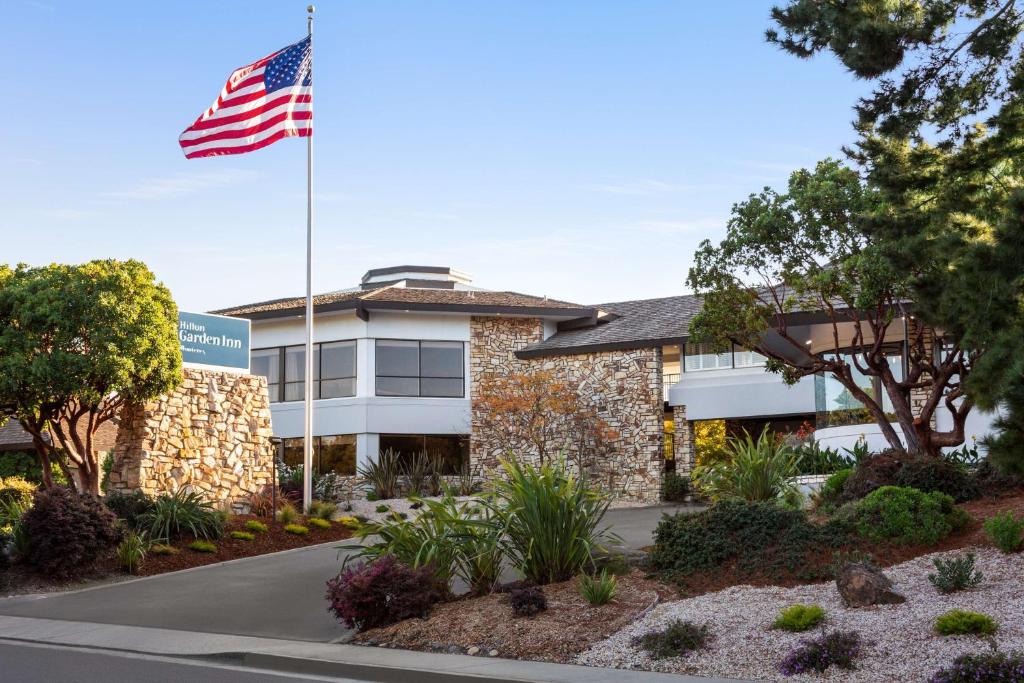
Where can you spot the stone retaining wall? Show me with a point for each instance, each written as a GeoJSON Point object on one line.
{"type": "Point", "coordinates": [623, 387]}
{"type": "Point", "coordinates": [211, 435]}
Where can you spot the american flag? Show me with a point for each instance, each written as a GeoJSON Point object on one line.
{"type": "Point", "coordinates": [263, 102]}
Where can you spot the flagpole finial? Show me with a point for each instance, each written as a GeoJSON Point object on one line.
{"type": "Point", "coordinates": [311, 9]}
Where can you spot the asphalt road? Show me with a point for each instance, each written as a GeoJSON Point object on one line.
{"type": "Point", "coordinates": [273, 596]}
{"type": "Point", "coordinates": [31, 663]}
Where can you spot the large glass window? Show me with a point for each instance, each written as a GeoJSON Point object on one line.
{"type": "Point", "coordinates": [836, 405]}
{"type": "Point", "coordinates": [452, 449]}
{"type": "Point", "coordinates": [746, 359]}
{"type": "Point", "coordinates": [334, 370]}
{"type": "Point", "coordinates": [335, 453]}
{"type": "Point", "coordinates": [707, 357]}
{"type": "Point", "coordinates": [420, 368]}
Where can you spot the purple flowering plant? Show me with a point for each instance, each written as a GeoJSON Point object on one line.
{"type": "Point", "coordinates": [838, 648]}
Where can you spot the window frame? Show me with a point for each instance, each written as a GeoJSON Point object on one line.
{"type": "Point", "coordinates": [419, 377]}
{"type": "Point", "coordinates": [283, 380]}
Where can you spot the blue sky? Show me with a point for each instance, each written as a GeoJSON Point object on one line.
{"type": "Point", "coordinates": [575, 149]}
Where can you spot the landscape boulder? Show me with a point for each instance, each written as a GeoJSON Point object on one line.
{"type": "Point", "coordinates": [861, 584]}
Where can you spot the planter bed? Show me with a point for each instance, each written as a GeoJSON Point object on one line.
{"type": "Point", "coordinates": [568, 626]}
{"type": "Point", "coordinates": [898, 641]}
{"type": "Point", "coordinates": [274, 540]}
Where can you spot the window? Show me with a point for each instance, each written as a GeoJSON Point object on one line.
{"type": "Point", "coordinates": [330, 453]}
{"type": "Point", "coordinates": [334, 370]}
{"type": "Point", "coordinates": [746, 359]}
{"type": "Point", "coordinates": [420, 368]}
{"type": "Point", "coordinates": [837, 406]}
{"type": "Point", "coordinates": [453, 449]}
{"type": "Point", "coordinates": [707, 357]}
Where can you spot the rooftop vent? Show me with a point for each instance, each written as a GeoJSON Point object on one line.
{"type": "Point", "coordinates": [420, 277]}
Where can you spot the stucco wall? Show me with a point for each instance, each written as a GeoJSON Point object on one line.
{"type": "Point", "coordinates": [624, 387]}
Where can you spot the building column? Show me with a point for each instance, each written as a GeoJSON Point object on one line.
{"type": "Point", "coordinates": [367, 449]}
{"type": "Point", "coordinates": [682, 441]}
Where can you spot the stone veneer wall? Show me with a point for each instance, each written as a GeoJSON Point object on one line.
{"type": "Point", "coordinates": [682, 441]}
{"type": "Point", "coordinates": [211, 435]}
{"type": "Point", "coordinates": [625, 387]}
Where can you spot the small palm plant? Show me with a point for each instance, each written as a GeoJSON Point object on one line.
{"type": "Point", "coordinates": [600, 589]}
{"type": "Point", "coordinates": [753, 470]}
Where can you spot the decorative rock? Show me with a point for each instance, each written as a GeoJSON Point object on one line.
{"type": "Point", "coordinates": [493, 653]}
{"type": "Point", "coordinates": [861, 584]}
{"type": "Point", "coordinates": [473, 650]}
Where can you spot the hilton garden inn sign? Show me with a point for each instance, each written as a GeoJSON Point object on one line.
{"type": "Point", "coordinates": [214, 341]}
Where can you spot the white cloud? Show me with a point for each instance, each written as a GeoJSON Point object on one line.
{"type": "Point", "coordinates": [180, 185]}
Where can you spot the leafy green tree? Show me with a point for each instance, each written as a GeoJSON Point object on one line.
{"type": "Point", "coordinates": [807, 252]}
{"type": "Point", "coordinates": [941, 139]}
{"type": "Point", "coordinates": [76, 344]}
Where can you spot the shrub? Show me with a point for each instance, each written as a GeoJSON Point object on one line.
{"type": "Point", "coordinates": [599, 589]}
{"type": "Point", "coordinates": [936, 474]}
{"type": "Point", "coordinates": [381, 475]}
{"type": "Point", "coordinates": [989, 666]}
{"type": "Point", "coordinates": [182, 511]}
{"type": "Point", "coordinates": [551, 520]}
{"type": "Point", "coordinates": [17, 490]}
{"type": "Point", "coordinates": [838, 648]}
{"type": "Point", "coordinates": [991, 480]}
{"type": "Point", "coordinates": [256, 526]}
{"type": "Point", "coordinates": [832, 488]}
{"type": "Point", "coordinates": [871, 472]}
{"type": "Point", "coordinates": [130, 507]}
{"type": "Point", "coordinates": [907, 516]}
{"type": "Point", "coordinates": [1005, 532]}
{"type": "Point", "coordinates": [955, 574]}
{"type": "Point", "coordinates": [25, 465]}
{"type": "Point", "coordinates": [349, 522]}
{"type": "Point", "coordinates": [812, 458]}
{"type": "Point", "coordinates": [163, 549]}
{"type": "Point", "coordinates": [757, 537]}
{"type": "Point", "coordinates": [296, 529]}
{"type": "Point", "coordinates": [131, 551]}
{"type": "Point", "coordinates": [963, 622]}
{"type": "Point", "coordinates": [261, 503]}
{"type": "Point", "coordinates": [799, 617]}
{"type": "Point", "coordinates": [371, 594]}
{"type": "Point", "coordinates": [678, 639]}
{"type": "Point", "coordinates": [201, 546]}
{"type": "Point", "coordinates": [753, 471]}
{"type": "Point", "coordinates": [287, 514]}
{"type": "Point", "coordinates": [318, 523]}
{"type": "Point", "coordinates": [243, 535]}
{"type": "Point", "coordinates": [66, 532]}
{"type": "Point", "coordinates": [676, 487]}
{"type": "Point", "coordinates": [381, 509]}
{"type": "Point", "coordinates": [321, 509]}
{"type": "Point", "coordinates": [527, 601]}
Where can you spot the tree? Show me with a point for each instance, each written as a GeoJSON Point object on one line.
{"type": "Point", "coordinates": [76, 344]}
{"type": "Point", "coordinates": [941, 139]}
{"type": "Point", "coordinates": [807, 251]}
{"type": "Point", "coordinates": [532, 412]}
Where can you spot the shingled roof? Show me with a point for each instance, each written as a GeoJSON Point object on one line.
{"type": "Point", "coordinates": [635, 324]}
{"type": "Point", "coordinates": [409, 298]}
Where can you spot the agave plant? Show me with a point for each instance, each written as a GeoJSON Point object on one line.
{"type": "Point", "coordinates": [754, 471]}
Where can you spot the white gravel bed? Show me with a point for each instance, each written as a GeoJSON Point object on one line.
{"type": "Point", "coordinates": [898, 643]}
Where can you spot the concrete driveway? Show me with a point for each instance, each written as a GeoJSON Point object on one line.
{"type": "Point", "coordinates": [271, 596]}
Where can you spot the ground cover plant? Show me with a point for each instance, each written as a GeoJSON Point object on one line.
{"type": "Point", "coordinates": [1005, 532]}
{"type": "Point", "coordinates": [243, 535]}
{"type": "Point", "coordinates": [747, 538]}
{"type": "Point", "coordinates": [318, 522]}
{"type": "Point", "coordinates": [988, 666]}
{"type": "Point", "coordinates": [527, 601]}
{"type": "Point", "coordinates": [256, 526]}
{"type": "Point", "coordinates": [678, 639]}
{"type": "Point", "coordinates": [67, 532]}
{"type": "Point", "coordinates": [964, 622]}
{"type": "Point", "coordinates": [955, 574]}
{"type": "Point", "coordinates": [598, 589]}
{"type": "Point", "coordinates": [798, 617]}
{"type": "Point", "coordinates": [907, 516]}
{"type": "Point", "coordinates": [838, 648]}
{"type": "Point", "coordinates": [381, 592]}
{"type": "Point", "coordinates": [296, 529]}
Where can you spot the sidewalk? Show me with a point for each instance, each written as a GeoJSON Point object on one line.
{"type": "Point", "coordinates": [323, 659]}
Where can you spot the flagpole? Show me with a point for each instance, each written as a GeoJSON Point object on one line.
{"type": "Point", "coordinates": [307, 441]}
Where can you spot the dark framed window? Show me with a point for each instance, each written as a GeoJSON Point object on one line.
{"type": "Point", "coordinates": [336, 453]}
{"type": "Point", "coordinates": [420, 368]}
{"type": "Point", "coordinates": [334, 370]}
{"type": "Point", "coordinates": [453, 449]}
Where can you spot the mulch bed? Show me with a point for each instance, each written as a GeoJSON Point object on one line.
{"type": "Point", "coordinates": [274, 540]}
{"type": "Point", "coordinates": [568, 626]}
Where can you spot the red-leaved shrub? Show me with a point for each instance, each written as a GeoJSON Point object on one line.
{"type": "Point", "coordinates": [67, 532]}
{"type": "Point", "coordinates": [371, 594]}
